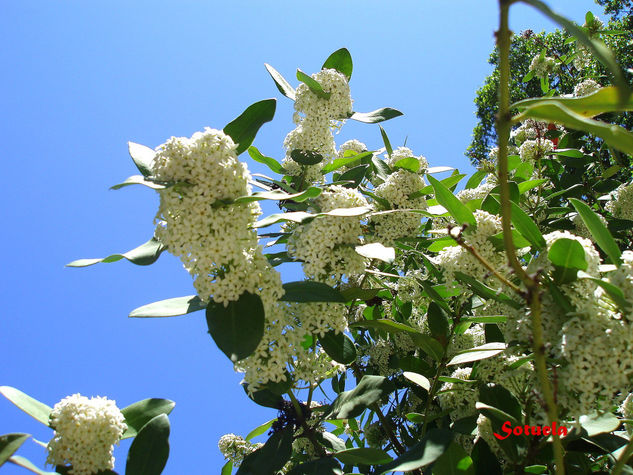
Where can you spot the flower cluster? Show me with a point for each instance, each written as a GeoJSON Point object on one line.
{"type": "Point", "coordinates": [542, 66]}
{"type": "Point", "coordinates": [588, 86]}
{"type": "Point", "coordinates": [535, 149]}
{"type": "Point", "coordinates": [85, 433]}
{"type": "Point", "coordinates": [621, 204]}
{"type": "Point", "coordinates": [404, 152]}
{"type": "Point", "coordinates": [235, 448]}
{"type": "Point", "coordinates": [622, 278]}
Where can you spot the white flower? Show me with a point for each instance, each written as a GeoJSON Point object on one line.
{"type": "Point", "coordinates": [405, 152]}
{"type": "Point", "coordinates": [542, 66]}
{"type": "Point", "coordinates": [621, 204]}
{"type": "Point", "coordinates": [85, 433]}
{"type": "Point", "coordinates": [353, 145]}
{"type": "Point", "coordinates": [235, 448]}
{"type": "Point", "coordinates": [337, 107]}
{"type": "Point", "coordinates": [477, 193]}
{"type": "Point", "coordinates": [588, 86]}
{"type": "Point", "coordinates": [534, 149]}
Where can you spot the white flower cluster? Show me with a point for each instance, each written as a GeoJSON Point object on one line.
{"type": "Point", "coordinates": [535, 149]}
{"type": "Point", "coordinates": [588, 86]}
{"type": "Point", "coordinates": [459, 398]}
{"type": "Point", "coordinates": [477, 193]}
{"type": "Point", "coordinates": [530, 130]}
{"type": "Point", "coordinates": [622, 278]}
{"type": "Point", "coordinates": [326, 244]}
{"type": "Point", "coordinates": [542, 66]}
{"type": "Point", "coordinates": [314, 117]}
{"type": "Point", "coordinates": [621, 204]}
{"type": "Point", "coordinates": [235, 448]}
{"type": "Point", "coordinates": [405, 152]}
{"type": "Point", "coordinates": [396, 190]}
{"type": "Point", "coordinates": [215, 241]}
{"type": "Point", "coordinates": [85, 433]}
{"type": "Point", "coordinates": [471, 338]}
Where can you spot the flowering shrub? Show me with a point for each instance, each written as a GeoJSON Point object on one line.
{"type": "Point", "coordinates": [486, 330]}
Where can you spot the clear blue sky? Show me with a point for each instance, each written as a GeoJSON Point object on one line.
{"type": "Point", "coordinates": [81, 78]}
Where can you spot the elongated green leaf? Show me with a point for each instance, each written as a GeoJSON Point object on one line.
{"type": "Point", "coordinates": [244, 128]}
{"type": "Point", "coordinates": [339, 347]}
{"type": "Point", "coordinates": [517, 238]}
{"type": "Point", "coordinates": [439, 169]}
{"type": "Point", "coordinates": [438, 244]}
{"type": "Point", "coordinates": [139, 180]}
{"type": "Point", "coordinates": [475, 179]}
{"type": "Point", "coordinates": [142, 156]}
{"type": "Point", "coordinates": [294, 216]}
{"type": "Point", "coordinates": [374, 117]}
{"type": "Point", "coordinates": [28, 465]}
{"type": "Point", "coordinates": [38, 410]}
{"type": "Point", "coordinates": [597, 48]}
{"type": "Point", "coordinates": [485, 319]}
{"type": "Point", "coordinates": [454, 461]}
{"type": "Point", "coordinates": [143, 255]}
{"type": "Point", "coordinates": [437, 321]}
{"type": "Point", "coordinates": [456, 208]}
{"type": "Point", "coordinates": [149, 451]}
{"type": "Point", "coordinates": [418, 379]}
{"type": "Point", "coordinates": [598, 230]}
{"type": "Point", "coordinates": [9, 444]}
{"type": "Point", "coordinates": [363, 456]}
{"type": "Point", "coordinates": [227, 468]}
{"type": "Point", "coordinates": [345, 161]}
{"type": "Point", "coordinates": [448, 182]}
{"type": "Point", "coordinates": [526, 186]}
{"type": "Point", "coordinates": [386, 141]}
{"type": "Point", "coordinates": [278, 195]}
{"type": "Point", "coordinates": [237, 328]}
{"type": "Point", "coordinates": [141, 412]}
{"type": "Point", "coordinates": [323, 466]}
{"type": "Point", "coordinates": [614, 292]}
{"type": "Point", "coordinates": [284, 86]}
{"type": "Point", "coordinates": [310, 291]}
{"type": "Point", "coordinates": [169, 307]}
{"type": "Point", "coordinates": [484, 291]}
{"type": "Point", "coordinates": [550, 111]}
{"type": "Point", "coordinates": [313, 85]}
{"type": "Point", "coordinates": [259, 430]}
{"type": "Point", "coordinates": [271, 457]}
{"type": "Point", "coordinates": [408, 163]}
{"type": "Point", "coordinates": [478, 353]}
{"type": "Point", "coordinates": [424, 453]}
{"type": "Point", "coordinates": [596, 424]}
{"type": "Point", "coordinates": [378, 251]}
{"type": "Point", "coordinates": [352, 403]}
{"type": "Point", "coordinates": [340, 60]}
{"type": "Point", "coordinates": [271, 163]}
{"type": "Point", "coordinates": [528, 229]}
{"type": "Point", "coordinates": [264, 397]}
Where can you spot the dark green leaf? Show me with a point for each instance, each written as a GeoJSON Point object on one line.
{"type": "Point", "coordinates": [386, 141]}
{"type": "Point", "coordinates": [142, 156]}
{"type": "Point", "coordinates": [381, 169]}
{"type": "Point", "coordinates": [363, 456]}
{"type": "Point", "coordinates": [376, 250]}
{"type": "Point", "coordinates": [598, 230]}
{"type": "Point", "coordinates": [243, 129]}
{"type": "Point", "coordinates": [456, 208]}
{"type": "Point", "coordinates": [313, 85]}
{"type": "Point", "coordinates": [150, 449]}
{"type": "Point", "coordinates": [284, 86]}
{"type": "Point", "coordinates": [454, 461]}
{"type": "Point", "coordinates": [487, 350]}
{"type": "Point", "coordinates": [339, 347]}
{"type": "Point", "coordinates": [352, 403]}
{"type": "Point", "coordinates": [310, 291]}
{"type": "Point", "coordinates": [517, 238]}
{"type": "Point", "coordinates": [143, 255]}
{"type": "Point", "coordinates": [271, 163]}
{"type": "Point", "coordinates": [340, 60]}
{"type": "Point", "coordinates": [528, 229]}
{"type": "Point", "coordinates": [484, 291]}
{"type": "Point", "coordinates": [354, 175]}
{"type": "Point", "coordinates": [324, 466]}
{"type": "Point", "coordinates": [357, 293]}
{"type": "Point", "coordinates": [330, 441]}
{"type": "Point", "coordinates": [379, 115]}
{"type": "Point", "coordinates": [271, 457]}
{"type": "Point", "coordinates": [306, 157]}
{"type": "Point", "coordinates": [170, 307]}
{"type": "Point", "coordinates": [9, 444]}
{"type": "Point", "coordinates": [424, 453]}
{"type": "Point", "coordinates": [440, 243]}
{"type": "Point", "coordinates": [437, 321]}
{"type": "Point", "coordinates": [486, 462]}
{"type": "Point", "coordinates": [237, 328]}
{"type": "Point", "coordinates": [568, 257]}
{"type": "Point", "coordinates": [259, 430]}
{"type": "Point", "coordinates": [264, 397]}
{"type": "Point", "coordinates": [497, 396]}
{"type": "Point", "coordinates": [38, 410]}
{"type": "Point", "coordinates": [141, 412]}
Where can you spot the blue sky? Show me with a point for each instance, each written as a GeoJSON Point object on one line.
{"type": "Point", "coordinates": [80, 79]}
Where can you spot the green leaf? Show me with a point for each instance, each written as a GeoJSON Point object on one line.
{"type": "Point", "coordinates": [149, 451]}
{"type": "Point", "coordinates": [38, 410]}
{"type": "Point", "coordinates": [354, 175]}
{"type": "Point", "coordinates": [374, 117]}
{"type": "Point", "coordinates": [486, 462]}
{"type": "Point", "coordinates": [259, 430]}
{"type": "Point", "coordinates": [418, 379]}
{"type": "Point", "coordinates": [381, 169]}
{"type": "Point", "coordinates": [9, 444]}
{"type": "Point", "coordinates": [437, 321]}
{"type": "Point", "coordinates": [313, 85]}
{"type": "Point", "coordinates": [438, 244]}
{"type": "Point", "coordinates": [142, 156]}
{"type": "Point", "coordinates": [339, 347]}
{"type": "Point", "coordinates": [358, 293]}
{"type": "Point", "coordinates": [143, 255]}
{"type": "Point", "coordinates": [386, 141]}
{"type": "Point", "coordinates": [485, 319]}
{"type": "Point", "coordinates": [499, 397]}
{"type": "Point", "coordinates": [408, 163]}
{"type": "Point", "coordinates": [486, 292]}
{"type": "Point", "coordinates": [378, 251]}
{"type": "Point", "coordinates": [487, 350]}
{"type": "Point", "coordinates": [528, 229]}
{"type": "Point", "coordinates": [237, 328]}
{"type": "Point", "coordinates": [526, 186]}
{"type": "Point", "coordinates": [169, 307]}
{"type": "Point", "coordinates": [475, 179]}
{"type": "Point", "coordinates": [227, 469]}
{"type": "Point", "coordinates": [352, 403]}
{"type": "Point", "coordinates": [598, 230]}
{"type": "Point", "coordinates": [568, 257]}
{"type": "Point", "coordinates": [454, 461]}
{"type": "Point", "coordinates": [323, 466]}
{"type": "Point", "coordinates": [448, 182]}
{"type": "Point", "coordinates": [310, 291]}
{"type": "Point", "coordinates": [27, 464]}
{"type": "Point", "coordinates": [345, 161]}
{"type": "Point", "coordinates": [538, 469]}
{"type": "Point", "coordinates": [271, 457]}
{"type": "Point", "coordinates": [456, 208]}
{"type": "Point", "coordinates": [243, 129]}
{"type": "Point", "coordinates": [599, 423]}
{"type": "Point", "coordinates": [139, 180]}
{"type": "Point", "coordinates": [141, 412]}
{"type": "Point", "coordinates": [340, 60]}
{"type": "Point", "coordinates": [550, 111]}
{"type": "Point", "coordinates": [517, 238]}
{"type": "Point", "coordinates": [615, 293]}
{"type": "Point", "coordinates": [278, 195]}
{"type": "Point", "coordinates": [424, 453]}
{"type": "Point", "coordinates": [363, 456]}
{"type": "Point", "coordinates": [264, 397]}
{"type": "Point", "coordinates": [330, 441]}
{"type": "Point", "coordinates": [528, 76]}
{"type": "Point", "coordinates": [306, 157]}
{"type": "Point", "coordinates": [294, 216]}
{"type": "Point", "coordinates": [284, 86]}
{"type": "Point", "coordinates": [271, 163]}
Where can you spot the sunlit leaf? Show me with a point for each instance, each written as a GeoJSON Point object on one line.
{"type": "Point", "coordinates": [341, 60]}
{"type": "Point", "coordinates": [142, 156]}
{"type": "Point", "coordinates": [170, 307]}
{"type": "Point", "coordinates": [313, 85]}
{"type": "Point", "coordinates": [143, 255]}
{"type": "Point", "coordinates": [284, 86]}
{"type": "Point", "coordinates": [244, 128]}
{"type": "Point", "coordinates": [38, 410]}
{"type": "Point", "coordinates": [271, 163]}
{"type": "Point", "coordinates": [379, 115]}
